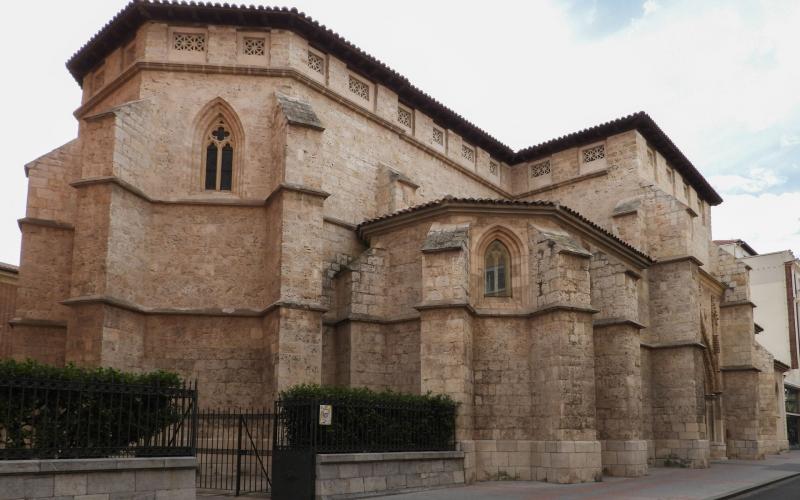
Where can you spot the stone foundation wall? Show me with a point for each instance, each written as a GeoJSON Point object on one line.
{"type": "Point", "coordinates": [99, 479]}
{"type": "Point", "coordinates": [371, 474]}
{"type": "Point", "coordinates": [551, 461]}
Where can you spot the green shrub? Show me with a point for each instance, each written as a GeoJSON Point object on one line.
{"type": "Point", "coordinates": [365, 420]}
{"type": "Point", "coordinates": [63, 412]}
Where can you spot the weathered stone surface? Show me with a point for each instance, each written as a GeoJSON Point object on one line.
{"type": "Point", "coordinates": [128, 261]}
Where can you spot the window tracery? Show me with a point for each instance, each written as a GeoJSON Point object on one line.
{"type": "Point", "coordinates": [497, 270]}
{"type": "Point", "coordinates": [219, 157]}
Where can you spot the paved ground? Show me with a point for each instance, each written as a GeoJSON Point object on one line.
{"type": "Point", "coordinates": [723, 480]}
{"type": "Point", "coordinates": [788, 489]}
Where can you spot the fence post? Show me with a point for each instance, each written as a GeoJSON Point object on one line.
{"type": "Point", "coordinates": [239, 455]}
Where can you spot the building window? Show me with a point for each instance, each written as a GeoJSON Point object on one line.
{"type": "Point", "coordinates": [404, 116]}
{"type": "Point", "coordinates": [594, 153]}
{"type": "Point", "coordinates": [686, 192]}
{"type": "Point", "coordinates": [316, 63]}
{"type": "Point", "coordinates": [219, 157]}
{"type": "Point", "coordinates": [359, 88]}
{"type": "Point", "coordinates": [253, 46]}
{"type": "Point", "coordinates": [497, 271]}
{"type": "Point", "coordinates": [189, 42]}
{"type": "Point", "coordinates": [438, 136]}
{"type": "Point", "coordinates": [468, 153]}
{"type": "Point", "coordinates": [540, 169]}
{"type": "Point", "coordinates": [493, 168]}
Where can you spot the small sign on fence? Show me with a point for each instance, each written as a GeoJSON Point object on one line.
{"type": "Point", "coordinates": [325, 414]}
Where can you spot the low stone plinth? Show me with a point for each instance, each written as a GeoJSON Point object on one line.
{"type": "Point", "coordinates": [692, 453]}
{"type": "Point", "coordinates": [525, 460]}
{"type": "Point", "coordinates": [358, 475]}
{"type": "Point", "coordinates": [99, 478]}
{"type": "Point", "coordinates": [624, 458]}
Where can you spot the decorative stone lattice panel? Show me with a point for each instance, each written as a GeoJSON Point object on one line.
{"type": "Point", "coordinates": [541, 168]}
{"type": "Point", "coordinates": [189, 42]}
{"type": "Point", "coordinates": [594, 153]}
{"type": "Point", "coordinates": [359, 88]}
{"type": "Point", "coordinates": [438, 136]}
{"type": "Point", "coordinates": [493, 168]}
{"type": "Point", "coordinates": [254, 46]}
{"type": "Point", "coordinates": [468, 153]}
{"type": "Point", "coordinates": [316, 63]}
{"type": "Point", "coordinates": [404, 116]}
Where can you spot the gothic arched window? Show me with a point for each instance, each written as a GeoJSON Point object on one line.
{"type": "Point", "coordinates": [497, 271]}
{"type": "Point", "coordinates": [219, 157]}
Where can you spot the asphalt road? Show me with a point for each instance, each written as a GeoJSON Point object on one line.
{"type": "Point", "coordinates": [788, 489]}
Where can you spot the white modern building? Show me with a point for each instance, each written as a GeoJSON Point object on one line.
{"type": "Point", "coordinates": [775, 290]}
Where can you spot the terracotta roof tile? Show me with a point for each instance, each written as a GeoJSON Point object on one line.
{"type": "Point", "coordinates": [122, 26]}
{"type": "Point", "coordinates": [498, 202]}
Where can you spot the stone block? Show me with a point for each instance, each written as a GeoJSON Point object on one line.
{"type": "Point", "coordinates": [396, 481]}
{"type": "Point", "coordinates": [133, 495]}
{"type": "Point", "coordinates": [111, 482]}
{"type": "Point", "coordinates": [375, 483]}
{"type": "Point", "coordinates": [177, 494]}
{"type": "Point", "coordinates": [506, 445]}
{"type": "Point", "coordinates": [347, 471]}
{"type": "Point", "coordinates": [70, 484]}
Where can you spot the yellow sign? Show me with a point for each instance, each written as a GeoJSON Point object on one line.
{"type": "Point", "coordinates": [325, 414]}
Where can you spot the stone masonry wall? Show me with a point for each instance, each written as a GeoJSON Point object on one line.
{"type": "Point", "coordinates": [98, 479]}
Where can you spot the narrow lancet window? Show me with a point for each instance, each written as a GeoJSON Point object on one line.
{"type": "Point", "coordinates": [497, 271]}
{"type": "Point", "coordinates": [219, 158]}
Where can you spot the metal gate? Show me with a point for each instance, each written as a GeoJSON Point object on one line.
{"type": "Point", "coordinates": [234, 450]}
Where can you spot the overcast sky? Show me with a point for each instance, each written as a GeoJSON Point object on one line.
{"type": "Point", "coordinates": [722, 79]}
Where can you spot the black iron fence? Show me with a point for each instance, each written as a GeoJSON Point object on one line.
{"type": "Point", "coordinates": [342, 426]}
{"type": "Point", "coordinates": [58, 418]}
{"type": "Point", "coordinates": [234, 450]}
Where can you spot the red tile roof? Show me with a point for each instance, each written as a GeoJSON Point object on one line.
{"type": "Point", "coordinates": [122, 27]}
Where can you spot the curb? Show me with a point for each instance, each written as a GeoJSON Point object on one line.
{"type": "Point", "coordinates": [747, 489]}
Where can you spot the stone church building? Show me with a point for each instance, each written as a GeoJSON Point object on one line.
{"type": "Point", "coordinates": [255, 202]}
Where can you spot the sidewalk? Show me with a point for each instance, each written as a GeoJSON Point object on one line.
{"type": "Point", "coordinates": [724, 478]}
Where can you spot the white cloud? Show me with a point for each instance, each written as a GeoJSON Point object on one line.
{"type": "Point", "coordinates": [790, 140]}
{"type": "Point", "coordinates": [650, 6]}
{"type": "Point", "coordinates": [710, 73]}
{"type": "Point", "coordinates": [758, 180]}
{"type": "Point", "coordinates": [769, 222]}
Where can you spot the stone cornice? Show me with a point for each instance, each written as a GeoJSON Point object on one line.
{"type": "Point", "coordinates": [674, 345]}
{"type": "Point", "coordinates": [606, 322]}
{"type": "Point", "coordinates": [739, 368]}
{"type": "Point", "coordinates": [211, 311]}
{"type": "Point", "coordinates": [781, 366]}
{"type": "Point", "coordinates": [737, 303]}
{"type": "Point", "coordinates": [566, 182]}
{"type": "Point", "coordinates": [503, 313]}
{"type": "Point", "coordinates": [208, 200]}
{"type": "Point", "coordinates": [339, 222]}
{"type": "Point", "coordinates": [108, 89]}
{"type": "Point", "coordinates": [551, 210]}
{"type": "Point", "coordinates": [31, 221]}
{"type": "Point", "coordinates": [678, 258]}
{"type": "Point", "coordinates": [297, 188]}
{"type": "Point", "coordinates": [126, 186]}
{"type": "Point", "coordinates": [369, 318]}
{"type": "Point", "coordinates": [39, 323]}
